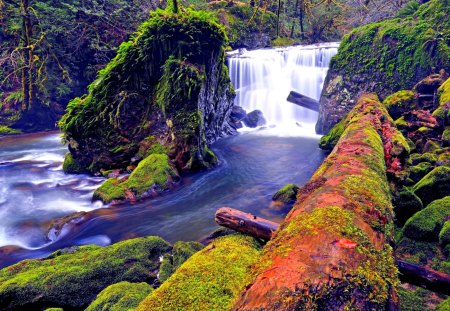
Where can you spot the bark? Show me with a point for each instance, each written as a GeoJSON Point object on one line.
{"type": "Point", "coordinates": [245, 223]}
{"type": "Point", "coordinates": [332, 252]}
{"type": "Point", "coordinates": [303, 101]}
{"type": "Point", "coordinates": [28, 87]}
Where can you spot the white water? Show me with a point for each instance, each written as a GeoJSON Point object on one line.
{"type": "Point", "coordinates": [263, 80]}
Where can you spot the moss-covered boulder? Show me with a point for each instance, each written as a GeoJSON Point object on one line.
{"type": "Point", "coordinates": [406, 204]}
{"type": "Point", "coordinates": [446, 137]}
{"type": "Point", "coordinates": [123, 296]}
{"type": "Point", "coordinates": [435, 185]}
{"type": "Point", "coordinates": [410, 301]}
{"type": "Point", "coordinates": [385, 57]}
{"type": "Point", "coordinates": [444, 306]}
{"type": "Point", "coordinates": [417, 172]}
{"type": "Point", "coordinates": [401, 102]}
{"type": "Point", "coordinates": [442, 113]}
{"type": "Point", "coordinates": [71, 166]}
{"type": "Point", "coordinates": [72, 278]}
{"type": "Point", "coordinates": [444, 235]}
{"type": "Point", "coordinates": [170, 82]}
{"type": "Point", "coordinates": [152, 176]}
{"type": "Point", "coordinates": [181, 252]}
{"type": "Point", "coordinates": [417, 158]}
{"type": "Point", "coordinates": [427, 223]}
{"type": "Point", "coordinates": [210, 280]}
{"type": "Point", "coordinates": [287, 194]}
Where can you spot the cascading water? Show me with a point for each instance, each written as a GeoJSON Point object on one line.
{"type": "Point", "coordinates": [263, 80]}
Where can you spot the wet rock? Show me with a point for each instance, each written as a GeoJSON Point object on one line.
{"type": "Point", "coordinates": [254, 119]}
{"type": "Point", "coordinates": [287, 194]}
{"type": "Point", "coordinates": [236, 116]}
{"type": "Point", "coordinates": [430, 84]}
{"type": "Point", "coordinates": [435, 185]}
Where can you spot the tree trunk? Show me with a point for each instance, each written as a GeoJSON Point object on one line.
{"type": "Point", "coordinates": [301, 17]}
{"type": "Point", "coordinates": [278, 18]}
{"type": "Point", "coordinates": [293, 24]}
{"type": "Point", "coordinates": [303, 101]}
{"type": "Point", "coordinates": [27, 54]}
{"type": "Point", "coordinates": [332, 251]}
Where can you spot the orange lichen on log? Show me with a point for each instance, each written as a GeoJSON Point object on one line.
{"type": "Point", "coordinates": [332, 252]}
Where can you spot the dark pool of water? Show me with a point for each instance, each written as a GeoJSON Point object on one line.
{"type": "Point", "coordinates": [34, 190]}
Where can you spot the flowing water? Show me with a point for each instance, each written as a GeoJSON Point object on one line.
{"type": "Point", "coordinates": [34, 191]}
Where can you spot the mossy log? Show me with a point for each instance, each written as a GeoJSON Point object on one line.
{"type": "Point", "coordinates": [246, 223]}
{"type": "Point", "coordinates": [332, 252]}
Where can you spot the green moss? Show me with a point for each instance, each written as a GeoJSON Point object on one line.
{"type": "Point", "coordinates": [418, 171]}
{"type": "Point", "coordinates": [406, 204]}
{"type": "Point", "coordinates": [181, 252]}
{"type": "Point", "coordinates": [416, 252]}
{"type": "Point", "coordinates": [442, 113]}
{"type": "Point", "coordinates": [435, 185]}
{"type": "Point", "coordinates": [401, 102]}
{"type": "Point", "coordinates": [280, 42]}
{"type": "Point", "coordinates": [446, 137]}
{"type": "Point", "coordinates": [210, 280]}
{"type": "Point", "coordinates": [287, 194]}
{"type": "Point", "coordinates": [72, 278]}
{"type": "Point", "coordinates": [71, 166]}
{"type": "Point", "coordinates": [401, 123]}
{"type": "Point", "coordinates": [328, 141]}
{"type": "Point", "coordinates": [429, 157]}
{"type": "Point", "coordinates": [123, 296]}
{"type": "Point", "coordinates": [153, 173]}
{"type": "Point", "coordinates": [444, 235]}
{"type": "Point", "coordinates": [444, 159]}
{"type": "Point", "coordinates": [427, 223]}
{"type": "Point", "coordinates": [410, 301]}
{"type": "Point", "coordinates": [4, 130]}
{"type": "Point", "coordinates": [431, 146]}
{"type": "Point", "coordinates": [444, 306]}
{"type": "Point", "coordinates": [54, 309]}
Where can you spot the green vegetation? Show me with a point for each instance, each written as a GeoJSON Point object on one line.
{"type": "Point", "coordinates": [406, 205]}
{"type": "Point", "coordinates": [410, 301]}
{"type": "Point", "coordinates": [4, 130]}
{"type": "Point", "coordinates": [420, 170]}
{"type": "Point", "coordinates": [71, 278]}
{"type": "Point", "coordinates": [417, 158]}
{"type": "Point", "coordinates": [442, 113]}
{"type": "Point", "coordinates": [328, 141]}
{"type": "Point", "coordinates": [399, 103]}
{"type": "Point", "coordinates": [287, 194]}
{"type": "Point", "coordinates": [427, 223]}
{"type": "Point", "coordinates": [435, 185]}
{"type": "Point", "coordinates": [444, 235]}
{"type": "Point", "coordinates": [154, 173]}
{"type": "Point", "coordinates": [444, 306]}
{"type": "Point", "coordinates": [70, 165]}
{"type": "Point", "coordinates": [123, 296]}
{"type": "Point", "coordinates": [211, 279]}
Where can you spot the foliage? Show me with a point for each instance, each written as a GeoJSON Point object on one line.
{"type": "Point", "coordinates": [71, 278]}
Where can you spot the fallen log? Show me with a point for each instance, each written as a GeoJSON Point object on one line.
{"type": "Point", "coordinates": [332, 251]}
{"type": "Point", "coordinates": [245, 223]}
{"type": "Point", "coordinates": [303, 101]}
{"type": "Point", "coordinates": [258, 227]}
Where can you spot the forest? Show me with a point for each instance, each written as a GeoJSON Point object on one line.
{"type": "Point", "coordinates": [224, 155]}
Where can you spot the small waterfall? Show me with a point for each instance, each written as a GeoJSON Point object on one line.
{"type": "Point", "coordinates": [264, 78]}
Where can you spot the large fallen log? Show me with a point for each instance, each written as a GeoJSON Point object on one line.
{"type": "Point", "coordinates": [332, 252]}
{"type": "Point", "coordinates": [303, 101]}
{"type": "Point", "coordinates": [245, 223]}
{"type": "Point", "coordinates": [258, 227]}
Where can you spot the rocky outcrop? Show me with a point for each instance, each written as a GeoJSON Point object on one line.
{"type": "Point", "coordinates": [168, 86]}
{"type": "Point", "coordinates": [385, 57]}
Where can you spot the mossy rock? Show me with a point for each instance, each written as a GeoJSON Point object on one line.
{"type": "Point", "coordinates": [287, 194]}
{"type": "Point", "coordinates": [417, 158]}
{"type": "Point", "coordinates": [446, 137]}
{"type": "Point", "coordinates": [153, 175]}
{"type": "Point", "coordinates": [444, 235]}
{"type": "Point", "coordinates": [123, 296]}
{"type": "Point", "coordinates": [211, 279]}
{"type": "Point", "coordinates": [444, 159]}
{"type": "Point", "coordinates": [401, 102]}
{"type": "Point", "coordinates": [427, 223]}
{"type": "Point", "coordinates": [418, 171]}
{"type": "Point", "coordinates": [54, 309]}
{"type": "Point", "coordinates": [72, 278]}
{"type": "Point", "coordinates": [410, 301]}
{"type": "Point", "coordinates": [401, 124]}
{"type": "Point", "coordinates": [406, 204]}
{"type": "Point", "coordinates": [442, 113]}
{"type": "Point", "coordinates": [444, 306]}
{"type": "Point", "coordinates": [181, 252]}
{"type": "Point", "coordinates": [328, 141]}
{"type": "Point", "coordinates": [435, 185]}
{"type": "Point", "coordinates": [431, 146]}
{"type": "Point", "coordinates": [71, 166]}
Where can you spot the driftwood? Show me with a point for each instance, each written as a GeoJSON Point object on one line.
{"type": "Point", "coordinates": [262, 228]}
{"type": "Point", "coordinates": [245, 223]}
{"type": "Point", "coordinates": [303, 101]}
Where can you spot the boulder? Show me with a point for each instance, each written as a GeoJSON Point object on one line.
{"type": "Point", "coordinates": [254, 119]}
{"type": "Point", "coordinates": [444, 234]}
{"type": "Point", "coordinates": [237, 115]}
{"type": "Point", "coordinates": [406, 204]}
{"type": "Point", "coordinates": [435, 185]}
{"type": "Point", "coordinates": [401, 102]}
{"type": "Point", "coordinates": [417, 172]}
{"type": "Point", "coordinates": [430, 84]}
{"type": "Point", "coordinates": [287, 194]}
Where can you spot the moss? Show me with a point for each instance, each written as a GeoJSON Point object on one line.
{"type": "Point", "coordinates": [287, 194]}
{"type": "Point", "coordinates": [120, 297]}
{"type": "Point", "coordinates": [72, 278]}
{"type": "Point", "coordinates": [406, 204]}
{"type": "Point", "coordinates": [444, 234]}
{"type": "Point", "coordinates": [429, 157]}
{"type": "Point", "coordinates": [211, 279]}
{"type": "Point", "coordinates": [401, 102]}
{"type": "Point", "coordinates": [54, 309]}
{"type": "Point", "coordinates": [446, 137]}
{"type": "Point", "coordinates": [442, 113]}
{"type": "Point", "coordinates": [328, 141]}
{"type": "Point", "coordinates": [410, 301]}
{"type": "Point", "coordinates": [426, 224]}
{"type": "Point", "coordinates": [181, 252]}
{"type": "Point", "coordinates": [435, 185]}
{"type": "Point", "coordinates": [4, 130]}
{"type": "Point", "coordinates": [71, 166]}
{"type": "Point", "coordinates": [418, 171]}
{"type": "Point", "coordinates": [444, 306]}
{"type": "Point", "coordinates": [280, 42]}
{"type": "Point", "coordinates": [401, 123]}
{"type": "Point", "coordinates": [154, 173]}
{"type": "Point", "coordinates": [416, 252]}
{"type": "Point", "coordinates": [431, 146]}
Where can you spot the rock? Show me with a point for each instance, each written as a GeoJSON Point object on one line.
{"type": "Point", "coordinates": [444, 235]}
{"type": "Point", "coordinates": [71, 166]}
{"type": "Point", "coordinates": [442, 113]}
{"type": "Point", "coordinates": [435, 185]}
{"type": "Point", "coordinates": [431, 146]}
{"type": "Point", "coordinates": [152, 176]}
{"type": "Point", "coordinates": [417, 158]}
{"type": "Point", "coordinates": [72, 280]}
{"type": "Point", "coordinates": [211, 279]}
{"type": "Point", "coordinates": [430, 84]}
{"type": "Point", "coordinates": [406, 204]}
{"type": "Point", "coordinates": [417, 172]}
{"type": "Point", "coordinates": [401, 102]}
{"type": "Point", "coordinates": [236, 116]}
{"type": "Point", "coordinates": [254, 119]}
{"type": "Point", "coordinates": [287, 194]}
{"type": "Point", "coordinates": [120, 296]}
{"type": "Point", "coordinates": [427, 223]}
{"type": "Point", "coordinates": [372, 58]}
{"type": "Point", "coordinates": [140, 94]}
{"type": "Point", "coordinates": [446, 137]}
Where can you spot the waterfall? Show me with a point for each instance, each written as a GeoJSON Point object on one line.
{"type": "Point", "coordinates": [264, 78]}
